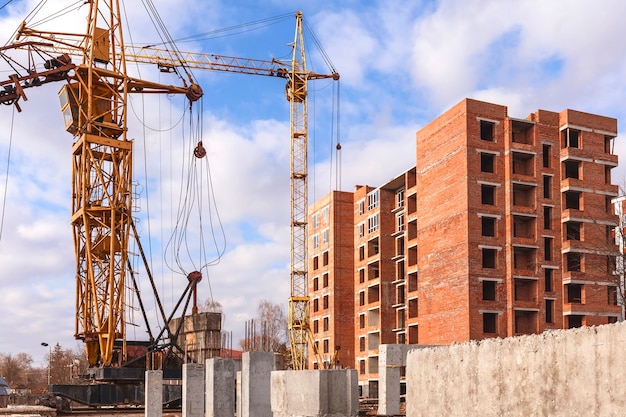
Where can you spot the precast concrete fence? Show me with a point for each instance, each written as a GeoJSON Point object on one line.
{"type": "Point", "coordinates": [577, 372]}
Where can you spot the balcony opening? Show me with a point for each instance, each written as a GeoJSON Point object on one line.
{"type": "Point", "coordinates": [524, 227]}
{"type": "Point", "coordinates": [570, 138]}
{"type": "Point", "coordinates": [522, 132]}
{"type": "Point", "coordinates": [525, 290]}
{"type": "Point", "coordinates": [525, 322]}
{"type": "Point", "coordinates": [572, 200]}
{"type": "Point", "coordinates": [373, 317]}
{"type": "Point", "coordinates": [608, 140]}
{"type": "Point", "coordinates": [373, 294]}
{"type": "Point", "coordinates": [373, 271]}
{"type": "Point", "coordinates": [524, 258]}
{"type": "Point", "coordinates": [572, 230]}
{"type": "Point", "coordinates": [574, 321]}
{"type": "Point", "coordinates": [523, 195]}
{"type": "Point", "coordinates": [523, 164]}
{"type": "Point", "coordinates": [571, 169]}
{"type": "Point", "coordinates": [372, 247]}
{"type": "Point", "coordinates": [574, 293]}
{"type": "Point", "coordinates": [573, 261]}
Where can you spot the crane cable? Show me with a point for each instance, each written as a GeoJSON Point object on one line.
{"type": "Point", "coordinates": [163, 32]}
{"type": "Point", "coordinates": [195, 170]}
{"type": "Point", "coordinates": [6, 179]}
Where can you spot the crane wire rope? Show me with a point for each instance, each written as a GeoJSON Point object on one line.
{"type": "Point", "coordinates": [6, 4]}
{"type": "Point", "coordinates": [163, 32]}
{"type": "Point", "coordinates": [236, 29]}
{"type": "Point", "coordinates": [337, 125]}
{"type": "Point", "coordinates": [68, 9]}
{"type": "Point", "coordinates": [145, 166]}
{"type": "Point", "coordinates": [192, 197]}
{"type": "Point", "coordinates": [6, 178]}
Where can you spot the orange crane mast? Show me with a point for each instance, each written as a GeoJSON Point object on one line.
{"type": "Point", "coordinates": [94, 107]}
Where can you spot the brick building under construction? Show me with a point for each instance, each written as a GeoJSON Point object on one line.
{"type": "Point", "coordinates": [503, 227]}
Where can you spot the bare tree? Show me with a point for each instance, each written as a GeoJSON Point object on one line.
{"type": "Point", "coordinates": [267, 332]}
{"type": "Point", "coordinates": [211, 306]}
{"type": "Point", "coordinates": [16, 369]}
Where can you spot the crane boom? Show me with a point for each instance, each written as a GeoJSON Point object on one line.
{"type": "Point", "coordinates": [95, 113]}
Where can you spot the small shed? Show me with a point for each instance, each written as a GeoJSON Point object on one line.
{"type": "Point", "coordinates": [4, 387]}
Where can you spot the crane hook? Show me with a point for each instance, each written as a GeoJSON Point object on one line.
{"type": "Point", "coordinates": [199, 151]}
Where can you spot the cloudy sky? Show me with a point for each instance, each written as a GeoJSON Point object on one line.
{"type": "Point", "coordinates": [401, 64]}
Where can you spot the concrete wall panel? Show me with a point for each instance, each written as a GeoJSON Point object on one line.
{"type": "Point", "coordinates": [576, 372]}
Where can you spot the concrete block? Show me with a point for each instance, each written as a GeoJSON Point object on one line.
{"type": "Point", "coordinates": [193, 390]}
{"type": "Point", "coordinates": [154, 394]}
{"type": "Point", "coordinates": [255, 384]}
{"type": "Point", "coordinates": [327, 393]}
{"type": "Point", "coordinates": [220, 387]}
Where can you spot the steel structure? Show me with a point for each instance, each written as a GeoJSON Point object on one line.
{"type": "Point", "coordinates": [95, 113]}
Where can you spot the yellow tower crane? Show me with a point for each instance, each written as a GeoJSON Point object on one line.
{"type": "Point", "coordinates": [94, 107]}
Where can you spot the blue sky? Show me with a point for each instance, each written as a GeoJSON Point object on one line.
{"type": "Point", "coordinates": [401, 64]}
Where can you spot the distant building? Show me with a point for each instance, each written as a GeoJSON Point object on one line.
{"type": "Point", "coordinates": [502, 228]}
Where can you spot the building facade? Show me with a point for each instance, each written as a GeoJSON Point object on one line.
{"type": "Point", "coordinates": [331, 279]}
{"type": "Point", "coordinates": [503, 227]}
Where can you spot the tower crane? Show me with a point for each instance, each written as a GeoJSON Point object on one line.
{"type": "Point", "coordinates": [94, 107]}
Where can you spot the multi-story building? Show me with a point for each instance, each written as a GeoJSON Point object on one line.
{"type": "Point", "coordinates": [503, 227]}
{"type": "Point", "coordinates": [331, 283]}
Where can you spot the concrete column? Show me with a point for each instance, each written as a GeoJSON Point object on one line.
{"type": "Point", "coordinates": [391, 359]}
{"type": "Point", "coordinates": [255, 384]}
{"type": "Point", "coordinates": [193, 390]}
{"type": "Point", "coordinates": [220, 387]}
{"type": "Point", "coordinates": [319, 393]}
{"type": "Point", "coordinates": [154, 394]}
